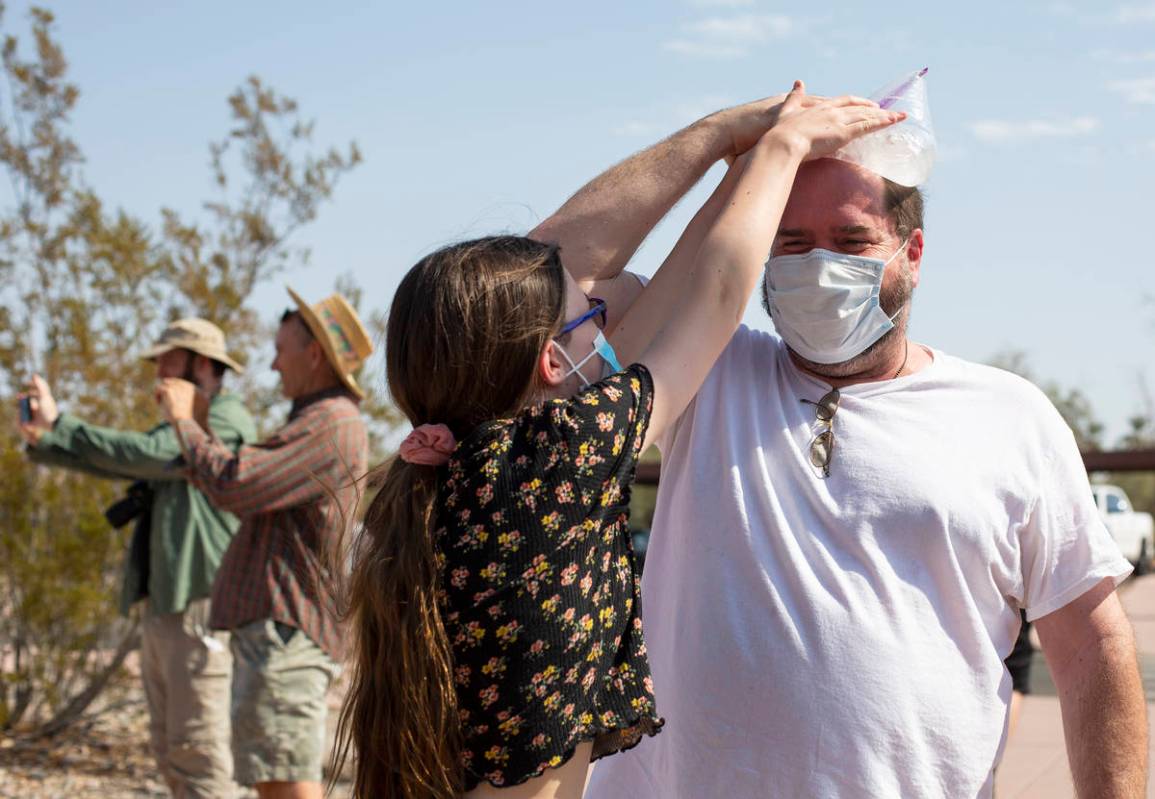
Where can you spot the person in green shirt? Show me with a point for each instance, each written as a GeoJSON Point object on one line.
{"type": "Point", "coordinates": [176, 549]}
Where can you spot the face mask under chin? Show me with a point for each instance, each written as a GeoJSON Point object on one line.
{"type": "Point", "coordinates": [601, 348]}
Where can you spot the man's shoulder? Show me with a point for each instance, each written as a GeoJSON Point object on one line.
{"type": "Point", "coordinates": [227, 403]}
{"type": "Point", "coordinates": [341, 410]}
{"type": "Point", "coordinates": [345, 408]}
{"type": "Point", "coordinates": [751, 353]}
{"type": "Point", "coordinates": [759, 342]}
{"type": "Point", "coordinates": [330, 403]}
{"type": "Point", "coordinates": [1001, 399]}
{"type": "Point", "coordinates": [993, 379]}
{"type": "Point", "coordinates": [229, 410]}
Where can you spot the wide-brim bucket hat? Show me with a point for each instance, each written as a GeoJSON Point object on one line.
{"type": "Point", "coordinates": [197, 335]}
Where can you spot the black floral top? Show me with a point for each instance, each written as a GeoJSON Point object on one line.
{"type": "Point", "coordinates": [538, 584]}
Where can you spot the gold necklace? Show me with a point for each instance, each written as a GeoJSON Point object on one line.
{"type": "Point", "coordinates": [905, 356]}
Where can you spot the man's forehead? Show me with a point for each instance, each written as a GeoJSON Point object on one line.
{"type": "Point", "coordinates": [832, 196]}
{"type": "Point", "coordinates": [845, 230]}
{"type": "Point", "coordinates": [290, 330]}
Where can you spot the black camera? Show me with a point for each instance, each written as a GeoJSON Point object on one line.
{"type": "Point", "coordinates": [137, 501]}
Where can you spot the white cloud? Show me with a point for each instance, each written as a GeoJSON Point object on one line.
{"type": "Point", "coordinates": [730, 37]}
{"type": "Point", "coordinates": [1140, 91]}
{"type": "Point", "coordinates": [998, 130]}
{"type": "Point", "coordinates": [1088, 14]}
{"type": "Point", "coordinates": [1128, 14]}
{"type": "Point", "coordinates": [747, 29]}
{"type": "Point", "coordinates": [705, 49]}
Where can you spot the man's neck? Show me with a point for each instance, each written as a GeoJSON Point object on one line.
{"type": "Point", "coordinates": [902, 358]}
{"type": "Point", "coordinates": [319, 384]}
{"type": "Point", "coordinates": [321, 381]}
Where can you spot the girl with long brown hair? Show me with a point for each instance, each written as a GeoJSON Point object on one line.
{"type": "Point", "coordinates": [497, 634]}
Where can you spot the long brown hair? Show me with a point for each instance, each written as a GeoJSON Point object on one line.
{"type": "Point", "coordinates": [465, 331]}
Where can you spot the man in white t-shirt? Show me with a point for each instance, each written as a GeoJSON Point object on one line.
{"type": "Point", "coordinates": [835, 577]}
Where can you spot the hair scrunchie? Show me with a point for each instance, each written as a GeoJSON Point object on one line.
{"type": "Point", "coordinates": [428, 445]}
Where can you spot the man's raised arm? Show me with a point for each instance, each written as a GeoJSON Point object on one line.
{"type": "Point", "coordinates": [601, 226]}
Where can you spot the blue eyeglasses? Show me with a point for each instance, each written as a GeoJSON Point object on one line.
{"type": "Point", "coordinates": [597, 312]}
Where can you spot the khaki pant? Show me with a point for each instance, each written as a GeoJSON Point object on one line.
{"type": "Point", "coordinates": [187, 671]}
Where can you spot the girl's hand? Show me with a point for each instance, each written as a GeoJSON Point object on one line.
{"type": "Point", "coordinates": [821, 129]}
{"type": "Point", "coordinates": [746, 124]}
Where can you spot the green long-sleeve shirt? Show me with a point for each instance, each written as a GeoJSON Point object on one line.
{"type": "Point", "coordinates": [188, 536]}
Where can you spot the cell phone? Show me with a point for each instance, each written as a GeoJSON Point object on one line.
{"type": "Point", "coordinates": [26, 410]}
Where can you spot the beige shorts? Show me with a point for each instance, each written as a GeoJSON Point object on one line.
{"type": "Point", "coordinates": [280, 680]}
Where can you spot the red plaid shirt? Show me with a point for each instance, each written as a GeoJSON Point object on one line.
{"type": "Point", "coordinates": [294, 493]}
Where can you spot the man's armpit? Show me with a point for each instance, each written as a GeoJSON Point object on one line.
{"type": "Point", "coordinates": [619, 292]}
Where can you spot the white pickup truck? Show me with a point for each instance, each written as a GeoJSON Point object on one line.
{"type": "Point", "coordinates": [1133, 531]}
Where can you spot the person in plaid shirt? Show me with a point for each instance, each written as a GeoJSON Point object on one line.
{"type": "Point", "coordinates": [294, 492]}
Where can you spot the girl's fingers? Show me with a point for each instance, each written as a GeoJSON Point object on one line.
{"type": "Point", "coordinates": [881, 120]}
{"type": "Point", "coordinates": [851, 115]}
{"type": "Point", "coordinates": [869, 124]}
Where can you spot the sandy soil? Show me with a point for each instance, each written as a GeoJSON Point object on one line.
{"type": "Point", "coordinates": [108, 758]}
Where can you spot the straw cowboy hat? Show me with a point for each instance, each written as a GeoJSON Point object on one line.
{"type": "Point", "coordinates": [198, 335]}
{"type": "Point", "coordinates": [336, 327]}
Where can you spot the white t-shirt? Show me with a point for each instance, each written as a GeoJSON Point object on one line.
{"type": "Point", "coordinates": [844, 637]}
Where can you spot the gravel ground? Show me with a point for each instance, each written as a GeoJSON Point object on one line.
{"type": "Point", "coordinates": [107, 759]}
{"type": "Point", "coordinates": [110, 759]}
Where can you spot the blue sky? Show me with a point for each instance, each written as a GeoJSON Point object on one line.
{"type": "Point", "coordinates": [483, 117]}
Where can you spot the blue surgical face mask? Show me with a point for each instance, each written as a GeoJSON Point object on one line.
{"type": "Point", "coordinates": [825, 304]}
{"type": "Point", "coordinates": [602, 348]}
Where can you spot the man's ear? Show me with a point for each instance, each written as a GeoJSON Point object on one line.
{"type": "Point", "coordinates": [317, 357]}
{"type": "Point", "coordinates": [914, 247]}
{"type": "Point", "coordinates": [551, 364]}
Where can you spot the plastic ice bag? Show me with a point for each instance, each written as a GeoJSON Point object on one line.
{"type": "Point", "coordinates": [904, 152]}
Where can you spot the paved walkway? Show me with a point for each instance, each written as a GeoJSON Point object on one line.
{"type": "Point", "coordinates": [1035, 763]}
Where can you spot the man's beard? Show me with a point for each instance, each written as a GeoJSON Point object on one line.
{"type": "Point", "coordinates": [893, 300]}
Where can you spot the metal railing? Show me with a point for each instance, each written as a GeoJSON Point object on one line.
{"type": "Point", "coordinates": [1131, 460]}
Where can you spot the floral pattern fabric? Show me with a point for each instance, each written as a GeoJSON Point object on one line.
{"type": "Point", "coordinates": [539, 593]}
